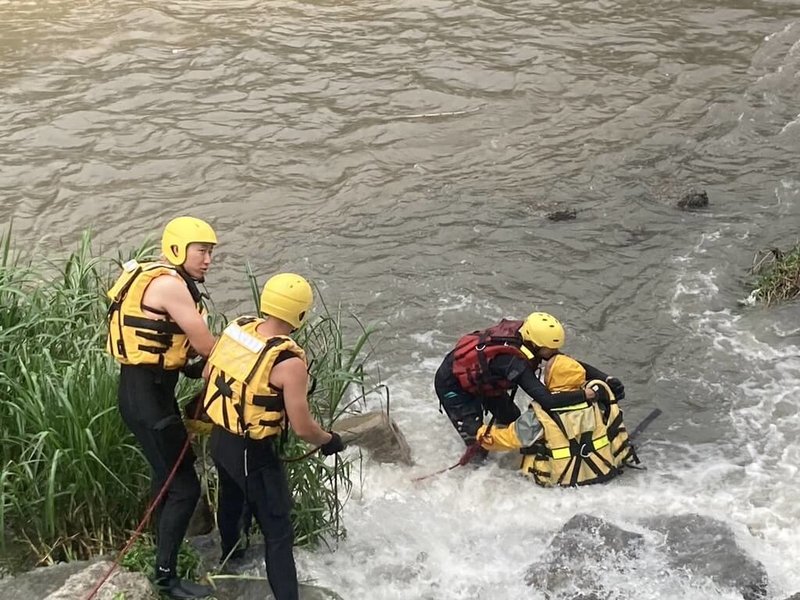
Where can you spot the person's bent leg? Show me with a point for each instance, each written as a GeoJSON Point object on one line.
{"type": "Point", "coordinates": [464, 411]}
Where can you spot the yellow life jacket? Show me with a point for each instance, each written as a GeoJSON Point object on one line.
{"type": "Point", "coordinates": [239, 397]}
{"type": "Point", "coordinates": [133, 337]}
{"type": "Point", "coordinates": [578, 445]}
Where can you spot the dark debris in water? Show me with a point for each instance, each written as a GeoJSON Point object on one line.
{"type": "Point", "coordinates": [568, 214]}
{"type": "Point", "coordinates": [693, 199]}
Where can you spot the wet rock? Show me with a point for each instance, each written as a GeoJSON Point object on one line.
{"type": "Point", "coordinates": [706, 547]}
{"type": "Point", "coordinates": [251, 565]}
{"type": "Point", "coordinates": [693, 199]}
{"type": "Point", "coordinates": [582, 542]}
{"type": "Point", "coordinates": [568, 214]}
{"type": "Point", "coordinates": [134, 586]}
{"type": "Point", "coordinates": [249, 589]}
{"type": "Point", "coordinates": [202, 520]}
{"type": "Point", "coordinates": [376, 433]}
{"type": "Point", "coordinates": [39, 583]}
{"type": "Point", "coordinates": [68, 581]}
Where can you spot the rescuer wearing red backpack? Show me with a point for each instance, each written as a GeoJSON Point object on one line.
{"type": "Point", "coordinates": [481, 374]}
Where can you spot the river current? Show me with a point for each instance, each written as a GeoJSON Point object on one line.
{"type": "Point", "coordinates": [405, 157]}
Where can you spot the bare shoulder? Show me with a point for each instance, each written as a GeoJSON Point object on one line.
{"type": "Point", "coordinates": [291, 367]}
{"type": "Point", "coordinates": [165, 289]}
{"type": "Point", "coordinates": [289, 371]}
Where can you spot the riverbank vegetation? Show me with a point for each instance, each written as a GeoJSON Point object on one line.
{"type": "Point", "coordinates": [777, 275]}
{"type": "Point", "coordinates": [73, 482]}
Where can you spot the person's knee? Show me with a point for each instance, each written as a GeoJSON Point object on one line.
{"type": "Point", "coordinates": [278, 531]}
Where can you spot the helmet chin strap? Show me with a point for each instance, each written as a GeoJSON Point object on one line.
{"type": "Point", "coordinates": [200, 279]}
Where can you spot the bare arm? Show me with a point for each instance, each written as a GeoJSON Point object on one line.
{"type": "Point", "coordinates": [290, 375]}
{"type": "Point", "coordinates": [171, 295]}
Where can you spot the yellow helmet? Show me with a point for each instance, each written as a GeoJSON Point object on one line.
{"type": "Point", "coordinates": [543, 330]}
{"type": "Point", "coordinates": [181, 232]}
{"type": "Point", "coordinates": [287, 297]}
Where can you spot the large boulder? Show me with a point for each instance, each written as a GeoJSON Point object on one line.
{"type": "Point", "coordinates": [706, 547]}
{"type": "Point", "coordinates": [376, 433]}
{"type": "Point", "coordinates": [571, 563]}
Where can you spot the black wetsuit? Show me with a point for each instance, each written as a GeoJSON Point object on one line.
{"type": "Point", "coordinates": [148, 407]}
{"type": "Point", "coordinates": [465, 410]}
{"type": "Point", "coordinates": [262, 487]}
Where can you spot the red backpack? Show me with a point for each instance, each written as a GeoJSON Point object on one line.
{"type": "Point", "coordinates": [474, 351]}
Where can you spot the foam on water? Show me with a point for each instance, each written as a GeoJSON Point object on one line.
{"type": "Point", "coordinates": [473, 532]}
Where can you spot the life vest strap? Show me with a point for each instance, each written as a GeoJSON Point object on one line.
{"type": "Point", "coordinates": [152, 324]}
{"type": "Point", "coordinates": [157, 311]}
{"type": "Point", "coordinates": [161, 338]}
{"type": "Point", "coordinates": [272, 403]}
{"type": "Point", "coordinates": [571, 407]}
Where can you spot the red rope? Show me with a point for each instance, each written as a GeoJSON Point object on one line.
{"type": "Point", "coordinates": [465, 458]}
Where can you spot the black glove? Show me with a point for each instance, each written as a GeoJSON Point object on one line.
{"type": "Point", "coordinates": [194, 370]}
{"type": "Point", "coordinates": [335, 445]}
{"type": "Point", "coordinates": [616, 387]}
{"type": "Point", "coordinates": [600, 393]}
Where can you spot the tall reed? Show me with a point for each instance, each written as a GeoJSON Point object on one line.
{"type": "Point", "coordinates": [71, 478]}
{"type": "Point", "coordinates": [73, 482]}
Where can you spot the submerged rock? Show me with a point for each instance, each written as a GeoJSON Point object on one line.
{"type": "Point", "coordinates": [376, 433]}
{"type": "Point", "coordinates": [706, 547]}
{"type": "Point", "coordinates": [568, 214]}
{"type": "Point", "coordinates": [693, 199]}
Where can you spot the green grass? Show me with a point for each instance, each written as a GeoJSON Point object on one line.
{"type": "Point", "coordinates": [142, 556]}
{"type": "Point", "coordinates": [73, 482]}
{"type": "Point", "coordinates": [777, 275]}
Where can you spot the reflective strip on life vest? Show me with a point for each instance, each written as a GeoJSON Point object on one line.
{"type": "Point", "coordinates": [571, 407]}
{"type": "Point", "coordinates": [561, 453]}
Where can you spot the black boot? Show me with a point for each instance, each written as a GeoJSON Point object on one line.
{"type": "Point", "coordinates": [180, 589]}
